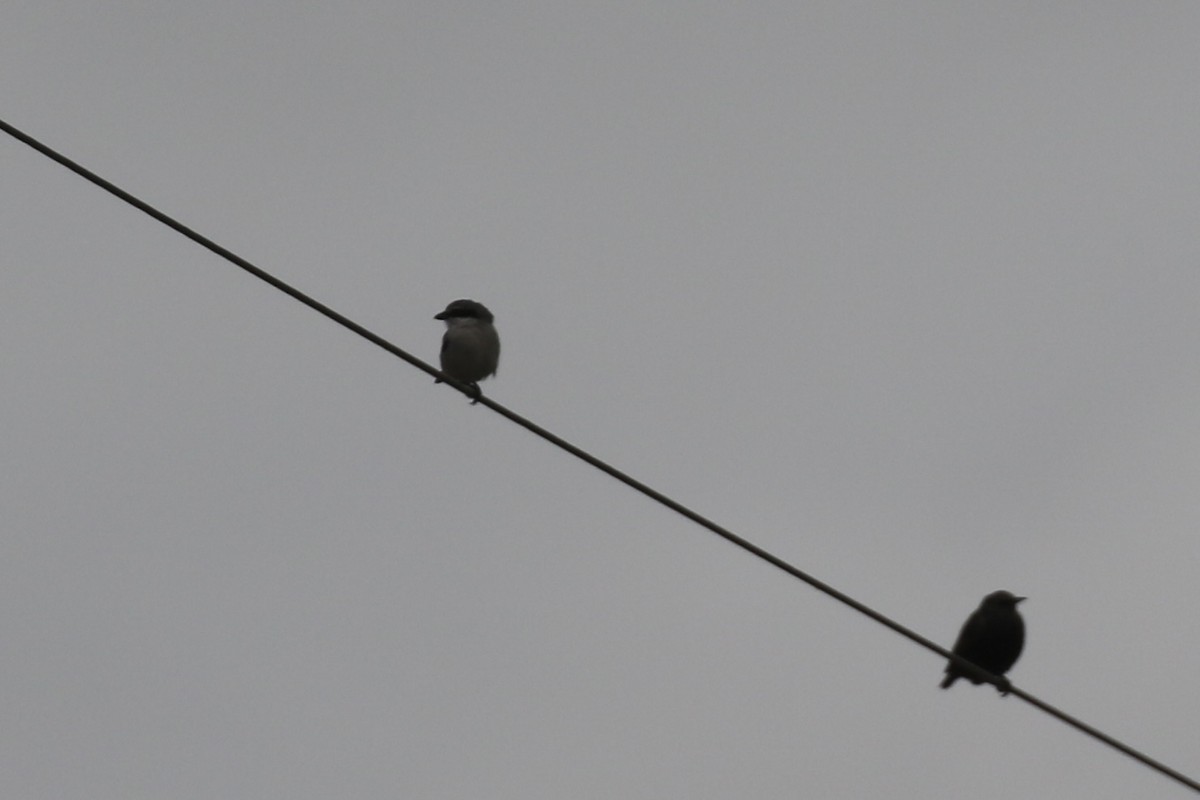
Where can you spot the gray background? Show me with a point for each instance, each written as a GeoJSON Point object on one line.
{"type": "Point", "coordinates": [905, 293]}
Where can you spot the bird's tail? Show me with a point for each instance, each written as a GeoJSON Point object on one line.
{"type": "Point", "coordinates": [948, 680]}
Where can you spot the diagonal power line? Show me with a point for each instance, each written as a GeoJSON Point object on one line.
{"type": "Point", "coordinates": [999, 681]}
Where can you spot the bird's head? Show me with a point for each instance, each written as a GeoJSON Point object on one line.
{"type": "Point", "coordinates": [1002, 599]}
{"type": "Point", "coordinates": [465, 309]}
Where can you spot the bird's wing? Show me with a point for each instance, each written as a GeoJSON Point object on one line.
{"type": "Point", "coordinates": [972, 635]}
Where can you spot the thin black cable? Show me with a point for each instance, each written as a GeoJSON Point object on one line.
{"type": "Point", "coordinates": [999, 681]}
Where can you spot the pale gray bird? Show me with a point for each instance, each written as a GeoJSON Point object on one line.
{"type": "Point", "coordinates": [470, 346]}
{"type": "Point", "coordinates": [991, 639]}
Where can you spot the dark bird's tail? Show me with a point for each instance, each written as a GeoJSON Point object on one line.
{"type": "Point", "coordinates": [948, 680]}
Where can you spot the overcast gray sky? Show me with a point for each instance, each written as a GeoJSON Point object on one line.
{"type": "Point", "coordinates": [905, 293]}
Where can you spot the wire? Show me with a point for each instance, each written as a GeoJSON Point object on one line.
{"type": "Point", "coordinates": [1000, 682]}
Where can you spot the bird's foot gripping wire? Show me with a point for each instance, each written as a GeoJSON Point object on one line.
{"type": "Point", "coordinates": [473, 390]}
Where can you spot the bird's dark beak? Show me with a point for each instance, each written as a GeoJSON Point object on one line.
{"type": "Point", "coordinates": [1019, 599]}
{"type": "Point", "coordinates": [440, 316]}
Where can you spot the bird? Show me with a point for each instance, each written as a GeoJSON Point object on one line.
{"type": "Point", "coordinates": [470, 345]}
{"type": "Point", "coordinates": [991, 639]}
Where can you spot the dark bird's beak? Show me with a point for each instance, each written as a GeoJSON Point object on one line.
{"type": "Point", "coordinates": [1019, 599]}
{"type": "Point", "coordinates": [442, 315]}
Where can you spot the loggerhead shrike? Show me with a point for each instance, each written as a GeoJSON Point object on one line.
{"type": "Point", "coordinates": [470, 346]}
{"type": "Point", "coordinates": [991, 639]}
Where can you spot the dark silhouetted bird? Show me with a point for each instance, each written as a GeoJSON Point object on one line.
{"type": "Point", "coordinates": [470, 346]}
{"type": "Point", "coordinates": [991, 639]}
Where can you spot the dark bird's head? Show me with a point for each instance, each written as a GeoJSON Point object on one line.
{"type": "Point", "coordinates": [466, 309]}
{"type": "Point", "coordinates": [1002, 599]}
